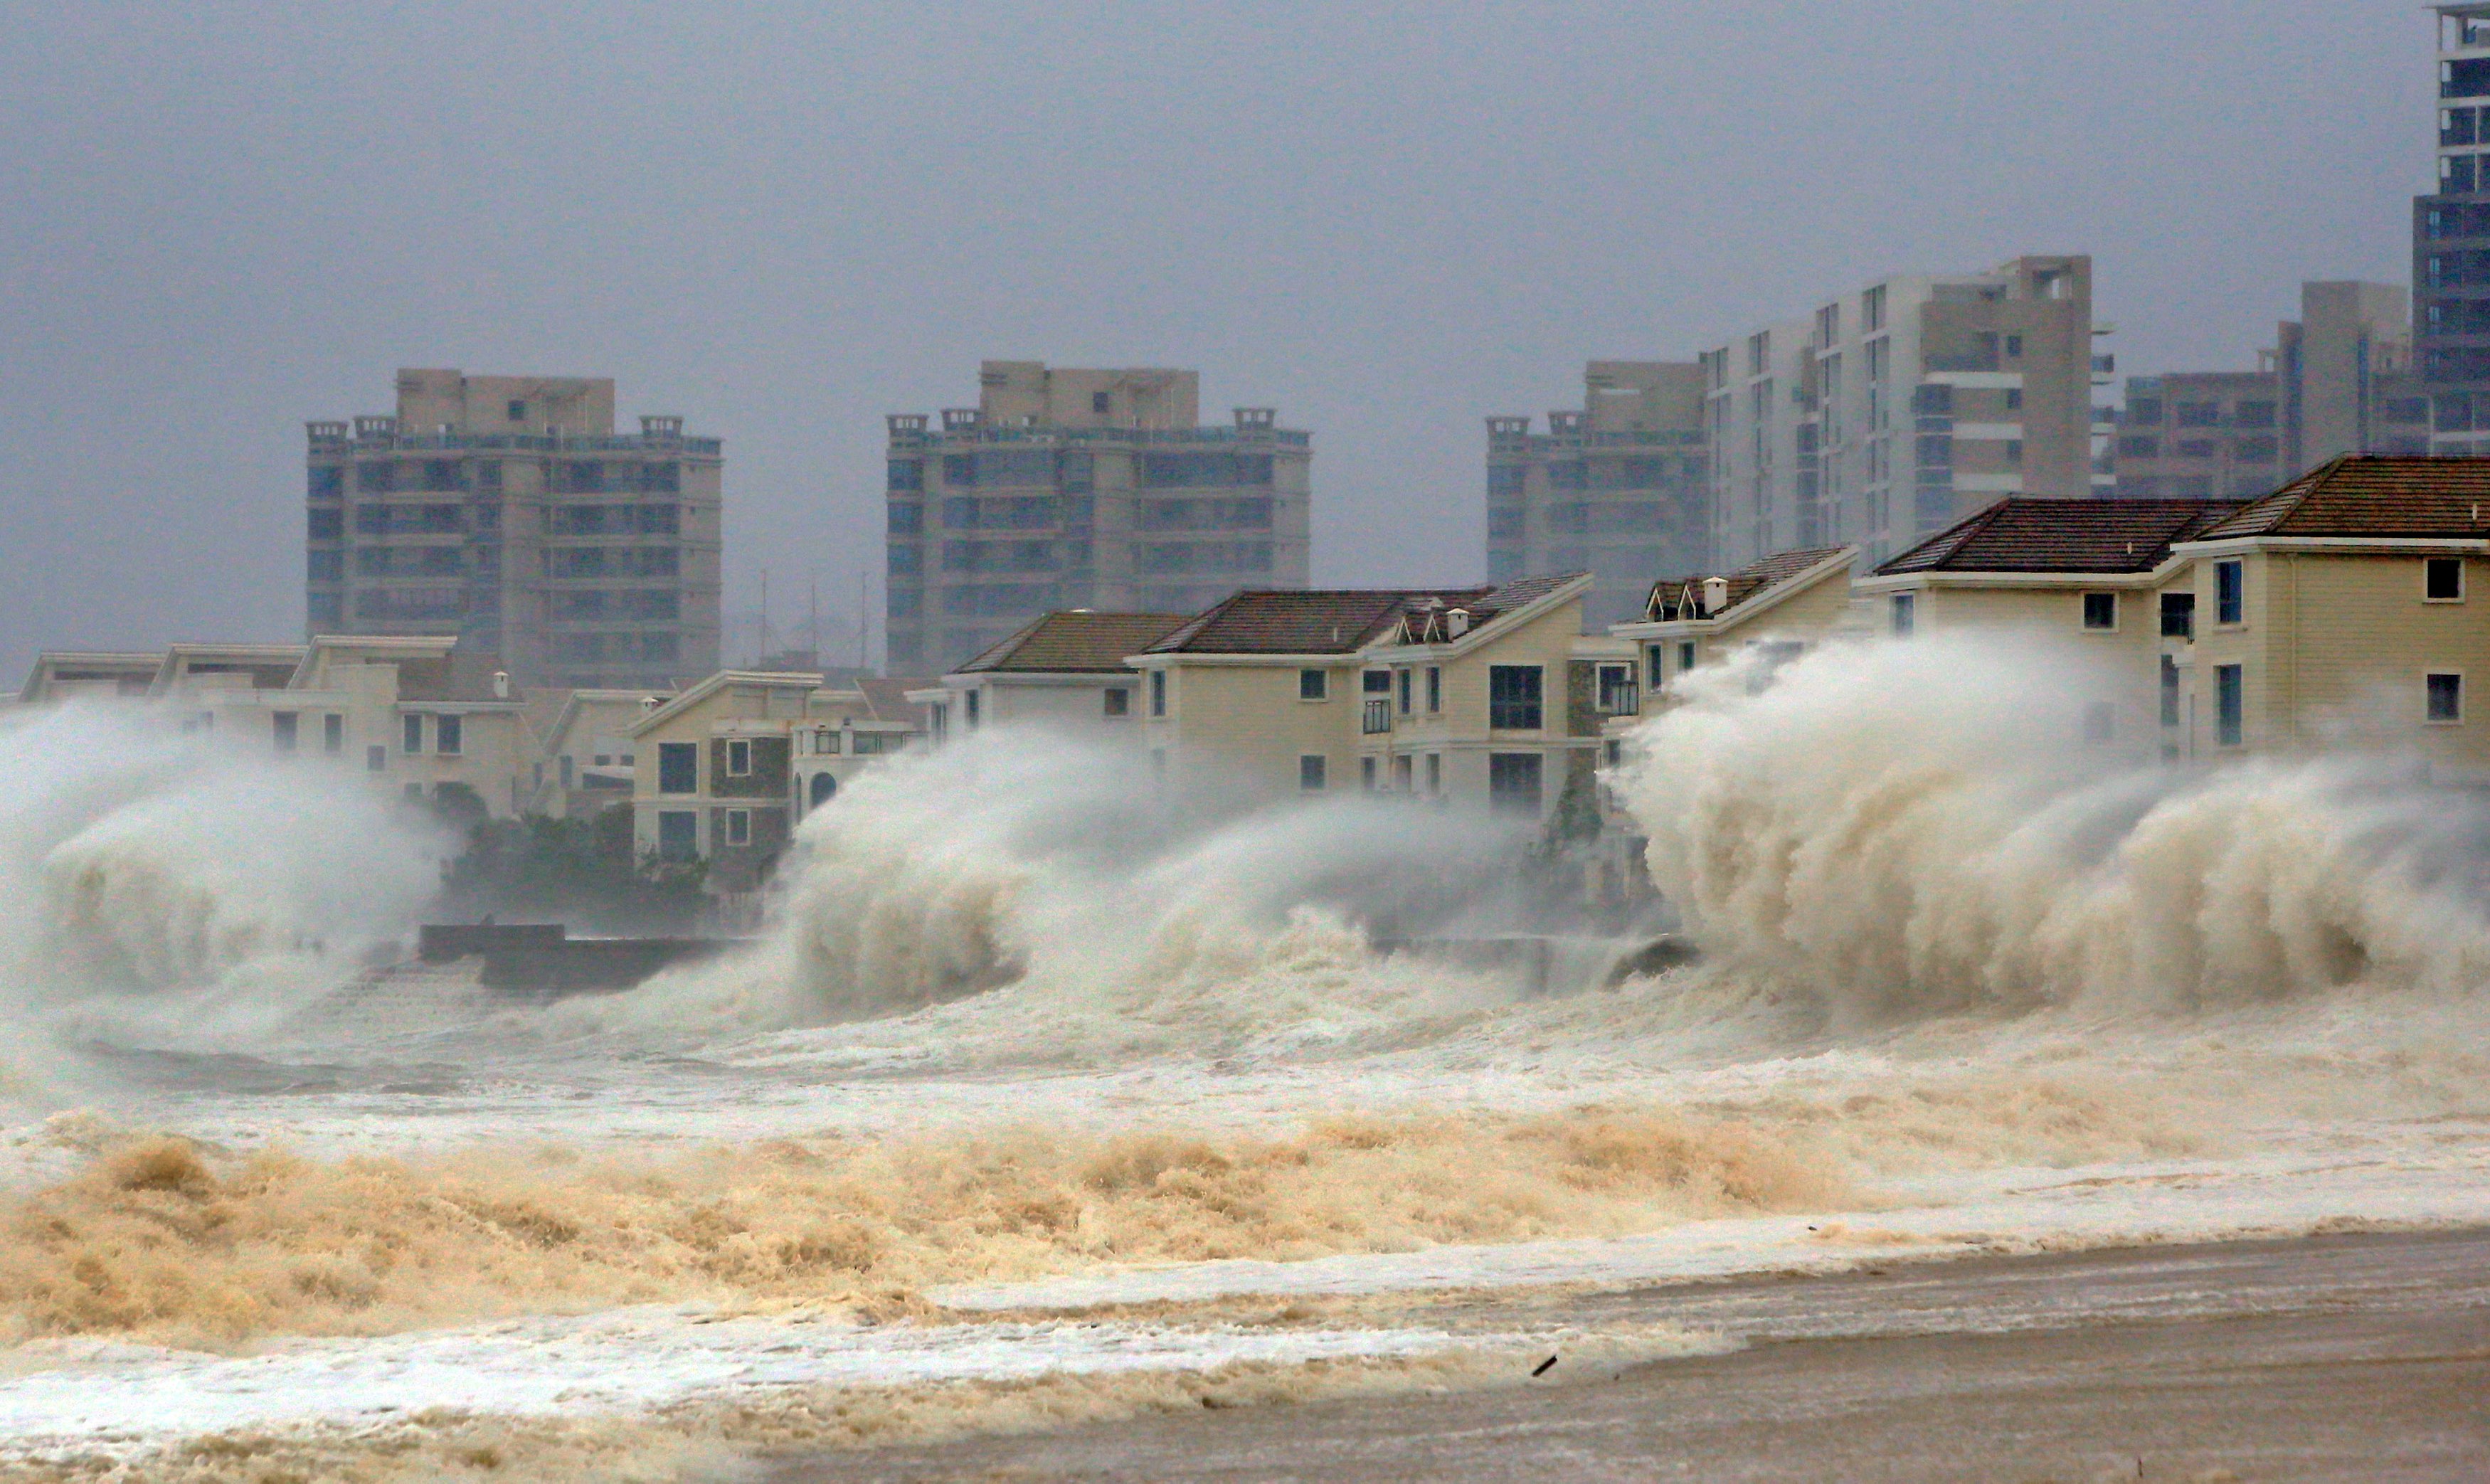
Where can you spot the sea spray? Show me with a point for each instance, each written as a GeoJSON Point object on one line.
{"type": "Point", "coordinates": [1903, 828]}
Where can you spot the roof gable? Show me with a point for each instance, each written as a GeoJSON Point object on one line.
{"type": "Point", "coordinates": [1682, 598]}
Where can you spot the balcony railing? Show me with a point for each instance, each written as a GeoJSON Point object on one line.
{"type": "Point", "coordinates": [1377, 718]}
{"type": "Point", "coordinates": [1619, 698]}
{"type": "Point", "coordinates": [522, 443]}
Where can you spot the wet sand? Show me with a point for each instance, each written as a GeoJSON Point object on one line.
{"type": "Point", "coordinates": [2339, 1357]}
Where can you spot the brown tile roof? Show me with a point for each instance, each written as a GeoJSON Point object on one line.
{"type": "Point", "coordinates": [1078, 642]}
{"type": "Point", "coordinates": [1682, 598]}
{"type": "Point", "coordinates": [2371, 494]}
{"type": "Point", "coordinates": [1337, 621]}
{"type": "Point", "coordinates": [2027, 533]}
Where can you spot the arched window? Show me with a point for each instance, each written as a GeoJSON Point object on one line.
{"type": "Point", "coordinates": [824, 786]}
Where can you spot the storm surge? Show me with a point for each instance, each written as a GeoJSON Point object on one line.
{"type": "Point", "coordinates": [1902, 830]}
{"type": "Point", "coordinates": [135, 857]}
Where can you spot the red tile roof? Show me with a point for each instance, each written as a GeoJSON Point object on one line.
{"type": "Point", "coordinates": [2370, 494]}
{"type": "Point", "coordinates": [1682, 598]}
{"type": "Point", "coordinates": [1078, 642]}
{"type": "Point", "coordinates": [2028, 534]}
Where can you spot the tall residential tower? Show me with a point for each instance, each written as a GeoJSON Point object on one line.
{"type": "Point", "coordinates": [1618, 489]}
{"type": "Point", "coordinates": [2451, 241]}
{"type": "Point", "coordinates": [507, 512]}
{"type": "Point", "coordinates": [1071, 488]}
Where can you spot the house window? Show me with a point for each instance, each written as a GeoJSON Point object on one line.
{"type": "Point", "coordinates": [1513, 782]}
{"type": "Point", "coordinates": [2445, 697]}
{"type": "Point", "coordinates": [1512, 698]}
{"type": "Point", "coordinates": [2230, 597]}
{"type": "Point", "coordinates": [1409, 683]}
{"type": "Point", "coordinates": [738, 826]}
{"type": "Point", "coordinates": [1684, 656]}
{"type": "Point", "coordinates": [677, 829]}
{"type": "Point", "coordinates": [972, 707]}
{"type": "Point", "coordinates": [1158, 692]}
{"type": "Point", "coordinates": [2169, 692]}
{"type": "Point", "coordinates": [448, 734]}
{"type": "Point", "coordinates": [1314, 684]}
{"type": "Point", "coordinates": [1616, 693]}
{"type": "Point", "coordinates": [1434, 772]}
{"type": "Point", "coordinates": [1613, 752]}
{"type": "Point", "coordinates": [1401, 775]}
{"type": "Point", "coordinates": [1658, 675]}
{"type": "Point", "coordinates": [2101, 721]}
{"type": "Point", "coordinates": [518, 411]}
{"type": "Point", "coordinates": [2100, 610]}
{"type": "Point", "coordinates": [1366, 774]}
{"type": "Point", "coordinates": [1376, 682]}
{"type": "Point", "coordinates": [286, 726]}
{"type": "Point", "coordinates": [2179, 615]}
{"type": "Point", "coordinates": [1435, 689]}
{"type": "Point", "coordinates": [825, 742]}
{"type": "Point", "coordinates": [2230, 705]}
{"type": "Point", "coordinates": [1098, 402]}
{"type": "Point", "coordinates": [738, 758]}
{"type": "Point", "coordinates": [678, 769]}
{"type": "Point", "coordinates": [2443, 580]}
{"type": "Point", "coordinates": [1906, 614]}
{"type": "Point", "coordinates": [2014, 345]}
{"type": "Point", "coordinates": [1119, 701]}
{"type": "Point", "coordinates": [332, 733]}
{"type": "Point", "coordinates": [1311, 770]}
{"type": "Point", "coordinates": [413, 738]}
{"type": "Point", "coordinates": [375, 759]}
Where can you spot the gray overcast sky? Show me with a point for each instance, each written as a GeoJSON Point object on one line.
{"type": "Point", "coordinates": [785, 221]}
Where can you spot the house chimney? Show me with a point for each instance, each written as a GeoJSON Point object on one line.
{"type": "Point", "coordinates": [1716, 594]}
{"type": "Point", "coordinates": [500, 685]}
{"type": "Point", "coordinates": [1456, 621]}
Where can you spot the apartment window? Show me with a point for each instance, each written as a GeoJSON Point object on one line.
{"type": "Point", "coordinates": [2230, 705]}
{"type": "Point", "coordinates": [1513, 697]}
{"type": "Point", "coordinates": [738, 826]}
{"type": "Point", "coordinates": [2014, 399]}
{"type": "Point", "coordinates": [448, 734]}
{"type": "Point", "coordinates": [2101, 721]}
{"type": "Point", "coordinates": [1098, 402]}
{"type": "Point", "coordinates": [1434, 772]}
{"type": "Point", "coordinates": [1905, 609]}
{"type": "Point", "coordinates": [2101, 611]}
{"type": "Point", "coordinates": [2445, 697]}
{"type": "Point", "coordinates": [375, 759]}
{"type": "Point", "coordinates": [1119, 701]}
{"type": "Point", "coordinates": [1158, 692]}
{"type": "Point", "coordinates": [1513, 782]}
{"type": "Point", "coordinates": [678, 768]}
{"type": "Point", "coordinates": [2014, 345]}
{"type": "Point", "coordinates": [2443, 580]}
{"type": "Point", "coordinates": [332, 733]}
{"type": "Point", "coordinates": [1314, 684]}
{"type": "Point", "coordinates": [285, 727]}
{"type": "Point", "coordinates": [518, 411]}
{"type": "Point", "coordinates": [2169, 692]}
{"type": "Point", "coordinates": [1311, 768]}
{"type": "Point", "coordinates": [1435, 689]}
{"type": "Point", "coordinates": [1408, 682]}
{"type": "Point", "coordinates": [2179, 615]}
{"type": "Point", "coordinates": [2230, 593]}
{"type": "Point", "coordinates": [738, 758]}
{"type": "Point", "coordinates": [677, 832]}
{"type": "Point", "coordinates": [413, 738]}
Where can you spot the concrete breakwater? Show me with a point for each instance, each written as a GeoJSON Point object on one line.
{"type": "Point", "coordinates": [538, 961]}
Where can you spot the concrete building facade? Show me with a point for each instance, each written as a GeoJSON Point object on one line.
{"type": "Point", "coordinates": [2451, 241]}
{"type": "Point", "coordinates": [506, 510]}
{"type": "Point", "coordinates": [1082, 488]}
{"type": "Point", "coordinates": [2337, 381]}
{"type": "Point", "coordinates": [1892, 411]}
{"type": "Point", "coordinates": [1619, 488]}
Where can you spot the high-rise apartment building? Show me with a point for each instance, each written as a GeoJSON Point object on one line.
{"type": "Point", "coordinates": [2451, 241]}
{"type": "Point", "coordinates": [505, 510]}
{"type": "Point", "coordinates": [2336, 382]}
{"type": "Point", "coordinates": [1075, 488]}
{"type": "Point", "coordinates": [1893, 411]}
{"type": "Point", "coordinates": [1618, 489]}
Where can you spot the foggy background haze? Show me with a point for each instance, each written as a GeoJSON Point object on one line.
{"type": "Point", "coordinates": [785, 221]}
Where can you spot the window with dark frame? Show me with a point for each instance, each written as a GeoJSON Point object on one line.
{"type": "Point", "coordinates": [2100, 610]}
{"type": "Point", "coordinates": [1314, 684]}
{"type": "Point", "coordinates": [448, 734]}
{"type": "Point", "coordinates": [412, 740]}
{"type": "Point", "coordinates": [2230, 705]}
{"type": "Point", "coordinates": [2443, 579]}
{"type": "Point", "coordinates": [2230, 593]}
{"type": "Point", "coordinates": [1311, 768]}
{"type": "Point", "coordinates": [1514, 698]}
{"type": "Point", "coordinates": [1158, 692]}
{"type": "Point", "coordinates": [1119, 701]}
{"type": "Point", "coordinates": [2445, 692]}
{"type": "Point", "coordinates": [2179, 615]}
{"type": "Point", "coordinates": [738, 758]}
